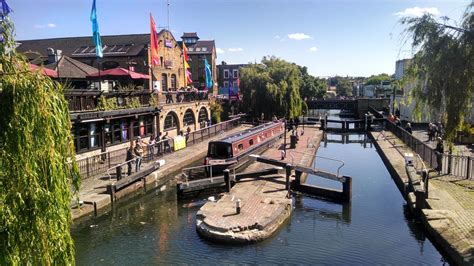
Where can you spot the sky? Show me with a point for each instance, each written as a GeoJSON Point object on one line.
{"type": "Point", "coordinates": [329, 37]}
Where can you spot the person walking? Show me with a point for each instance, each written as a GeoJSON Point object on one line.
{"type": "Point", "coordinates": [439, 155]}
{"type": "Point", "coordinates": [130, 157]}
{"type": "Point", "coordinates": [430, 132]}
{"type": "Point", "coordinates": [151, 147]}
{"type": "Point", "coordinates": [138, 153]}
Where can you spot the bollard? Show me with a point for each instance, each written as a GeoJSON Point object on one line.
{"type": "Point", "coordinates": [298, 177]}
{"type": "Point", "coordinates": [227, 180]}
{"type": "Point", "coordinates": [426, 178]}
{"type": "Point", "coordinates": [237, 206]}
{"type": "Point", "coordinates": [118, 171]}
{"type": "Point", "coordinates": [288, 174]}
{"type": "Point", "coordinates": [347, 188]}
{"type": "Point", "coordinates": [420, 201]}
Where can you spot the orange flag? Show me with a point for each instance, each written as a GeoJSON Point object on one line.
{"type": "Point", "coordinates": [185, 52]}
{"type": "Point", "coordinates": [154, 58]}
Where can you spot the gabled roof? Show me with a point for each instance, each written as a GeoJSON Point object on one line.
{"type": "Point", "coordinates": [70, 68]}
{"type": "Point", "coordinates": [190, 35]}
{"type": "Point", "coordinates": [115, 45]}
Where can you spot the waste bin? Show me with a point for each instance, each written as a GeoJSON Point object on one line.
{"type": "Point", "coordinates": [118, 171]}
{"type": "Point", "coordinates": [292, 142]}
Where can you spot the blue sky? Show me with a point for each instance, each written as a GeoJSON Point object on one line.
{"type": "Point", "coordinates": [343, 37]}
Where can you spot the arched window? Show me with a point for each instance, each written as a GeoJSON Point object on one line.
{"type": "Point", "coordinates": [171, 121]}
{"type": "Point", "coordinates": [202, 115]}
{"type": "Point", "coordinates": [188, 118]}
{"type": "Point", "coordinates": [164, 81]}
{"type": "Point", "coordinates": [173, 81]}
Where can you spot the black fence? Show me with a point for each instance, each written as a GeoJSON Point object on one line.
{"type": "Point", "coordinates": [97, 165]}
{"type": "Point", "coordinates": [456, 165]}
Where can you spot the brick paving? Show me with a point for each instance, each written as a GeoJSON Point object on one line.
{"type": "Point", "coordinates": [265, 204]}
{"type": "Point", "coordinates": [450, 217]}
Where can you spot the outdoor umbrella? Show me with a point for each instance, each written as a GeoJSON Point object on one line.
{"type": "Point", "coordinates": [118, 72]}
{"type": "Point", "coordinates": [48, 72]}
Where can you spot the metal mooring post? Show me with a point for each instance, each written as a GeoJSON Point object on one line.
{"type": "Point", "coordinates": [288, 174]}
{"type": "Point", "coordinates": [227, 180]}
{"type": "Point", "coordinates": [347, 188]}
{"type": "Point", "coordinates": [426, 178]}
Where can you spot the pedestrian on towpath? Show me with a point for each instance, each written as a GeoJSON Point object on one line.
{"type": "Point", "coordinates": [439, 155]}
{"type": "Point", "coordinates": [408, 128]}
{"type": "Point", "coordinates": [130, 157]}
{"type": "Point", "coordinates": [138, 153]}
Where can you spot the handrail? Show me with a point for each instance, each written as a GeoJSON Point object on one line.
{"type": "Point", "coordinates": [118, 165]}
{"type": "Point", "coordinates": [331, 159]}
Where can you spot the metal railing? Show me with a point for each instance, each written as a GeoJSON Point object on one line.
{"type": "Point", "coordinates": [180, 96]}
{"type": "Point", "coordinates": [456, 165]}
{"type": "Point", "coordinates": [315, 157]}
{"type": "Point", "coordinates": [98, 164]}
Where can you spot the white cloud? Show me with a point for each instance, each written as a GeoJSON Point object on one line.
{"type": "Point", "coordinates": [235, 49]}
{"type": "Point", "coordinates": [42, 26]}
{"type": "Point", "coordinates": [219, 51]}
{"type": "Point", "coordinates": [313, 49]}
{"type": "Point", "coordinates": [418, 12]}
{"type": "Point", "coordinates": [277, 37]}
{"type": "Point", "coordinates": [298, 36]}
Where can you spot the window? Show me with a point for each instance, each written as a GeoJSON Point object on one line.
{"type": "Point", "coordinates": [173, 81]}
{"type": "Point", "coordinates": [202, 115]}
{"type": "Point", "coordinates": [234, 84]}
{"type": "Point", "coordinates": [94, 136]}
{"type": "Point", "coordinates": [87, 136]}
{"type": "Point", "coordinates": [188, 118]}
{"type": "Point", "coordinates": [251, 142]}
{"type": "Point", "coordinates": [235, 73]}
{"type": "Point", "coordinates": [124, 128]}
{"type": "Point", "coordinates": [240, 147]}
{"type": "Point", "coordinates": [191, 49]}
{"type": "Point", "coordinates": [149, 125]}
{"type": "Point", "coordinates": [226, 84]}
{"type": "Point", "coordinates": [164, 82]}
{"type": "Point", "coordinates": [161, 61]}
{"type": "Point", "coordinates": [226, 73]}
{"type": "Point", "coordinates": [170, 121]}
{"type": "Point", "coordinates": [204, 49]}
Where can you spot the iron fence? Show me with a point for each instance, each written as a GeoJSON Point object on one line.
{"type": "Point", "coordinates": [96, 165]}
{"type": "Point", "coordinates": [456, 165]}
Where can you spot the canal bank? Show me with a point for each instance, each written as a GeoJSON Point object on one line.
{"type": "Point", "coordinates": [449, 216]}
{"type": "Point", "coordinates": [97, 198]}
{"type": "Point", "coordinates": [264, 202]}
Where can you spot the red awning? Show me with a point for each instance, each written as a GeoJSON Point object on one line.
{"type": "Point", "coordinates": [118, 72]}
{"type": "Point", "coordinates": [48, 72]}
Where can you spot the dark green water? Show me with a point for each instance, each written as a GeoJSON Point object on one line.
{"type": "Point", "coordinates": [155, 228]}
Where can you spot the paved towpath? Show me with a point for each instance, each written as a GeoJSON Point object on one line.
{"type": "Point", "coordinates": [95, 189]}
{"type": "Point", "coordinates": [265, 204]}
{"type": "Point", "coordinates": [450, 216]}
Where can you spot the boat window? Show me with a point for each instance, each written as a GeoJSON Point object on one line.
{"type": "Point", "coordinates": [251, 142]}
{"type": "Point", "coordinates": [240, 147]}
{"type": "Point", "coordinates": [220, 150]}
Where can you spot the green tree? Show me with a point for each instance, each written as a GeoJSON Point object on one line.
{"type": "Point", "coordinates": [271, 88]}
{"type": "Point", "coordinates": [442, 68]}
{"type": "Point", "coordinates": [37, 164]}
{"type": "Point", "coordinates": [377, 79]}
{"type": "Point", "coordinates": [216, 112]}
{"type": "Point", "coordinates": [311, 86]}
{"type": "Point", "coordinates": [344, 88]}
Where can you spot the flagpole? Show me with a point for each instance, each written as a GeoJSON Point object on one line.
{"type": "Point", "coordinates": [100, 77]}
{"type": "Point", "coordinates": [184, 66]}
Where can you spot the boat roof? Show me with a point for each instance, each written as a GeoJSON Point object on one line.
{"type": "Point", "coordinates": [246, 133]}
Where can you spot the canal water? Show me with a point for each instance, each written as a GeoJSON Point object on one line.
{"type": "Point", "coordinates": [374, 228]}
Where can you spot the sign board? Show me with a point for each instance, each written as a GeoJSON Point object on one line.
{"type": "Point", "coordinates": [179, 142]}
{"type": "Point", "coordinates": [157, 85]}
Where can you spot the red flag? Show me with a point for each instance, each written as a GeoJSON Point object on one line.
{"type": "Point", "coordinates": [185, 52]}
{"type": "Point", "coordinates": [154, 58]}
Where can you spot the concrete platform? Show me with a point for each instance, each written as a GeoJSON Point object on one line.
{"type": "Point", "coordinates": [449, 218]}
{"type": "Point", "coordinates": [265, 203]}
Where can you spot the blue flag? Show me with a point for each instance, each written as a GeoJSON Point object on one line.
{"type": "Point", "coordinates": [5, 9]}
{"type": "Point", "coordinates": [95, 32]}
{"type": "Point", "coordinates": [208, 71]}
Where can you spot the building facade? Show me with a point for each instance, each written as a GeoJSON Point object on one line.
{"type": "Point", "coordinates": [228, 79]}
{"type": "Point", "coordinates": [169, 74]}
{"type": "Point", "coordinates": [197, 51]}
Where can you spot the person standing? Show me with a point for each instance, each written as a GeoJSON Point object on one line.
{"type": "Point", "coordinates": [139, 154]}
{"type": "Point", "coordinates": [151, 147]}
{"type": "Point", "coordinates": [430, 132]}
{"type": "Point", "coordinates": [408, 128]}
{"type": "Point", "coordinates": [130, 157]}
{"type": "Point", "coordinates": [439, 155]}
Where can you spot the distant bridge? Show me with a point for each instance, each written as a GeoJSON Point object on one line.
{"type": "Point", "coordinates": [359, 106]}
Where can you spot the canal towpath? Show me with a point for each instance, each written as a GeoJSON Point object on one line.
{"type": "Point", "coordinates": [449, 218]}
{"type": "Point", "coordinates": [93, 191]}
{"type": "Point", "coordinates": [264, 202]}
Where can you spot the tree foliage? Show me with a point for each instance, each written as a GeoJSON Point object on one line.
{"type": "Point", "coordinates": [311, 87]}
{"type": "Point", "coordinates": [377, 79]}
{"type": "Point", "coordinates": [442, 68]}
{"type": "Point", "coordinates": [344, 88]}
{"type": "Point", "coordinates": [37, 165]}
{"type": "Point", "coordinates": [271, 88]}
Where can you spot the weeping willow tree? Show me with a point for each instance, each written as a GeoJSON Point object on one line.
{"type": "Point", "coordinates": [37, 165]}
{"type": "Point", "coordinates": [271, 88]}
{"type": "Point", "coordinates": [442, 68]}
